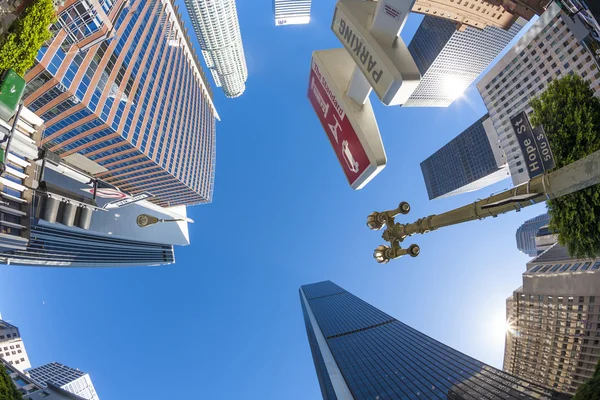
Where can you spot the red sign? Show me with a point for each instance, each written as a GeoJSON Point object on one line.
{"type": "Point", "coordinates": [343, 138]}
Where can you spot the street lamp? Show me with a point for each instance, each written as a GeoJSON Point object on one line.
{"type": "Point", "coordinates": [576, 176]}
{"type": "Point", "coordinates": [144, 220]}
{"type": "Point", "coordinates": [393, 234]}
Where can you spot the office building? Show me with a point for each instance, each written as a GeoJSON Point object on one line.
{"type": "Point", "coordinates": [218, 30]}
{"type": "Point", "coordinates": [69, 379]}
{"type": "Point", "coordinates": [449, 60]}
{"type": "Point", "coordinates": [468, 162]}
{"type": "Point", "coordinates": [32, 390]}
{"type": "Point", "coordinates": [73, 219]}
{"type": "Point", "coordinates": [551, 49]}
{"type": "Point", "coordinates": [12, 348]}
{"type": "Point", "coordinates": [485, 14]}
{"type": "Point", "coordinates": [360, 352]}
{"type": "Point", "coordinates": [291, 12]}
{"type": "Point", "coordinates": [120, 84]}
{"type": "Point", "coordinates": [527, 233]}
{"type": "Point", "coordinates": [554, 318]}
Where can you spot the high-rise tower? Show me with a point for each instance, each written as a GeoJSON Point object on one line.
{"type": "Point", "coordinates": [218, 31]}
{"type": "Point", "coordinates": [67, 378]}
{"type": "Point", "coordinates": [449, 60]}
{"type": "Point", "coordinates": [554, 321]}
{"type": "Point", "coordinates": [527, 232]}
{"type": "Point", "coordinates": [468, 162]}
{"type": "Point", "coordinates": [289, 12]}
{"type": "Point", "coordinates": [362, 353]}
{"type": "Point", "coordinates": [121, 85]}
{"type": "Point", "coordinates": [12, 348]}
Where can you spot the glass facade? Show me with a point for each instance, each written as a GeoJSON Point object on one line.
{"type": "Point", "coordinates": [466, 163]}
{"type": "Point", "coordinates": [362, 353]}
{"type": "Point", "coordinates": [70, 379]}
{"type": "Point", "coordinates": [135, 101]}
{"type": "Point", "coordinates": [74, 247]}
{"type": "Point", "coordinates": [450, 60]}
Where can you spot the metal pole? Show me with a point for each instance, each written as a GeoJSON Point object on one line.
{"type": "Point", "coordinates": [387, 31]}
{"type": "Point", "coordinates": [569, 179]}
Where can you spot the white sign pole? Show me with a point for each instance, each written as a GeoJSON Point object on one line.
{"type": "Point", "coordinates": [387, 29]}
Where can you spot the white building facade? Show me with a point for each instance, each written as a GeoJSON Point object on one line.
{"type": "Point", "coordinates": [218, 30]}
{"type": "Point", "coordinates": [66, 378]}
{"type": "Point", "coordinates": [291, 12]}
{"type": "Point", "coordinates": [12, 348]}
{"type": "Point", "coordinates": [551, 49]}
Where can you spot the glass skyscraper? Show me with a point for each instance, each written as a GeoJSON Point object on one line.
{"type": "Point", "coordinates": [362, 353]}
{"type": "Point", "coordinates": [291, 12]}
{"type": "Point", "coordinates": [449, 60]}
{"type": "Point", "coordinates": [121, 85]}
{"type": "Point", "coordinates": [470, 161]}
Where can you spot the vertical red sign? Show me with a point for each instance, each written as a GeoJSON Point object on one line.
{"type": "Point", "coordinates": [343, 138]}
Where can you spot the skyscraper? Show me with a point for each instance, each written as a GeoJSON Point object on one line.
{"type": "Point", "coordinates": [69, 379]}
{"type": "Point", "coordinates": [32, 390]}
{"type": "Point", "coordinates": [554, 318]}
{"type": "Point", "coordinates": [218, 31]}
{"type": "Point", "coordinates": [485, 14]}
{"type": "Point", "coordinates": [288, 12]}
{"type": "Point", "coordinates": [552, 48]}
{"type": "Point", "coordinates": [468, 162]}
{"type": "Point", "coordinates": [527, 232]}
{"type": "Point", "coordinates": [12, 348]}
{"type": "Point", "coordinates": [449, 60]}
{"type": "Point", "coordinates": [120, 84]}
{"type": "Point", "coordinates": [362, 353]}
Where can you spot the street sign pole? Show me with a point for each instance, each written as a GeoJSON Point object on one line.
{"type": "Point", "coordinates": [387, 30]}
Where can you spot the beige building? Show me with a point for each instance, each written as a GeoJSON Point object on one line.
{"type": "Point", "coordinates": [475, 13]}
{"type": "Point", "coordinates": [12, 348]}
{"type": "Point", "coordinates": [554, 319]}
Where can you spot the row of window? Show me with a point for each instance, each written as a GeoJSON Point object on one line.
{"type": "Point", "coordinates": [564, 267]}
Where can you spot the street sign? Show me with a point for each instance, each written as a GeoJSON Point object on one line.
{"type": "Point", "coordinates": [351, 128]}
{"type": "Point", "coordinates": [534, 145]}
{"type": "Point", "coordinates": [389, 67]}
{"type": "Point", "coordinates": [127, 201]}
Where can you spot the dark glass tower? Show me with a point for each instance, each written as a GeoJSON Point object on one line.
{"type": "Point", "coordinates": [362, 353]}
{"type": "Point", "coordinates": [470, 161]}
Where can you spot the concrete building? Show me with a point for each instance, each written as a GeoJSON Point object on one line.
{"type": "Point", "coordinates": [468, 162]}
{"type": "Point", "coordinates": [360, 352]}
{"type": "Point", "coordinates": [554, 318]}
{"type": "Point", "coordinates": [524, 8]}
{"type": "Point", "coordinates": [66, 378]}
{"type": "Point", "coordinates": [552, 48]}
{"type": "Point", "coordinates": [449, 60]}
{"type": "Point", "coordinates": [32, 390]}
{"type": "Point", "coordinates": [218, 30]}
{"type": "Point", "coordinates": [486, 13]}
{"type": "Point", "coordinates": [291, 12]}
{"type": "Point", "coordinates": [121, 85]}
{"type": "Point", "coordinates": [527, 233]}
{"type": "Point", "coordinates": [12, 348]}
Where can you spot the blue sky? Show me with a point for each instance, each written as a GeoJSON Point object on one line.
{"type": "Point", "coordinates": [225, 321]}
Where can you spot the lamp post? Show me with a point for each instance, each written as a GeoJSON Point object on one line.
{"type": "Point", "coordinates": [571, 178]}
{"type": "Point", "coordinates": [144, 220]}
